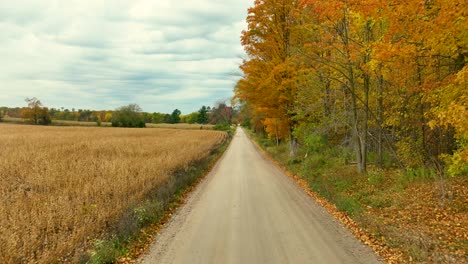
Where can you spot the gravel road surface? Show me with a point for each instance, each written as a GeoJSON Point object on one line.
{"type": "Point", "coordinates": [247, 211]}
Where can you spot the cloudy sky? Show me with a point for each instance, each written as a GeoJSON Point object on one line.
{"type": "Point", "coordinates": [102, 54]}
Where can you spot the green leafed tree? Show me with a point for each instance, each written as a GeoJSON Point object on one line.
{"type": "Point", "coordinates": [192, 118]}
{"type": "Point", "coordinates": [128, 116]}
{"type": "Point", "coordinates": [175, 116]}
{"type": "Point", "coordinates": [2, 113]}
{"type": "Point", "coordinates": [203, 115]}
{"type": "Point", "coordinates": [157, 118]}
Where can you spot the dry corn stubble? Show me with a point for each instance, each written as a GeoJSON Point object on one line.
{"type": "Point", "coordinates": [62, 184]}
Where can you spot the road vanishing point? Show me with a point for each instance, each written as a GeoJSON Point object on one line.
{"type": "Point", "coordinates": [248, 211]}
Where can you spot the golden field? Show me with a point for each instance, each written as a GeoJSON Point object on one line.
{"type": "Point", "coordinates": [108, 124]}
{"type": "Point", "coordinates": [62, 185]}
{"type": "Point", "coordinates": [180, 126]}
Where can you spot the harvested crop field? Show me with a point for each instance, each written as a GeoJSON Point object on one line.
{"type": "Point", "coordinates": [181, 126]}
{"type": "Point", "coordinates": [61, 185]}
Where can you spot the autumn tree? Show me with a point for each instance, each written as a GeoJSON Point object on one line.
{"type": "Point", "coordinates": [375, 76]}
{"type": "Point", "coordinates": [269, 72]}
{"type": "Point", "coordinates": [35, 112]}
{"type": "Point", "coordinates": [221, 114]}
{"type": "Point", "coordinates": [422, 55]}
{"type": "Point", "coordinates": [371, 52]}
{"type": "Point", "coordinates": [337, 51]}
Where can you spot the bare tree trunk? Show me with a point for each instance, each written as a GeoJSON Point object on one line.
{"type": "Point", "coordinates": [365, 121]}
{"type": "Point", "coordinates": [276, 131]}
{"type": "Point", "coordinates": [422, 119]}
{"type": "Point", "coordinates": [292, 145]}
{"type": "Point", "coordinates": [356, 134]}
{"type": "Point", "coordinates": [352, 85]}
{"type": "Point", "coordinates": [380, 121]}
{"type": "Point", "coordinates": [365, 124]}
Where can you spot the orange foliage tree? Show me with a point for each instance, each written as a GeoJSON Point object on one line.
{"type": "Point", "coordinates": [269, 72]}
{"type": "Point", "coordinates": [382, 76]}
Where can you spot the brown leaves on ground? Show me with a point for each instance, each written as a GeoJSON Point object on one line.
{"type": "Point", "coordinates": [428, 222]}
{"type": "Point", "coordinates": [425, 222]}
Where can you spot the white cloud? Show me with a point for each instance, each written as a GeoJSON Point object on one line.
{"type": "Point", "coordinates": [102, 54]}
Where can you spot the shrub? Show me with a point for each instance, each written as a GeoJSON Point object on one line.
{"type": "Point", "coordinates": [224, 127]}
{"type": "Point", "coordinates": [348, 205]}
{"type": "Point", "coordinates": [105, 251]}
{"type": "Point", "coordinates": [375, 179]}
{"type": "Point", "coordinates": [128, 116]}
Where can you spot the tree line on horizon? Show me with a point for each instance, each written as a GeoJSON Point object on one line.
{"type": "Point", "coordinates": [126, 116]}
{"type": "Point", "coordinates": [378, 78]}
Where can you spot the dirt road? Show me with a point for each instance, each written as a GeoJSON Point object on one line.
{"type": "Point", "coordinates": [248, 211]}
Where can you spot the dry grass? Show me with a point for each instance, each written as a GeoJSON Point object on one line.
{"type": "Point", "coordinates": [17, 120]}
{"type": "Point", "coordinates": [78, 123]}
{"type": "Point", "coordinates": [61, 185]}
{"type": "Point", "coordinates": [13, 119]}
{"type": "Point", "coordinates": [92, 124]}
{"type": "Point", "coordinates": [180, 126]}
